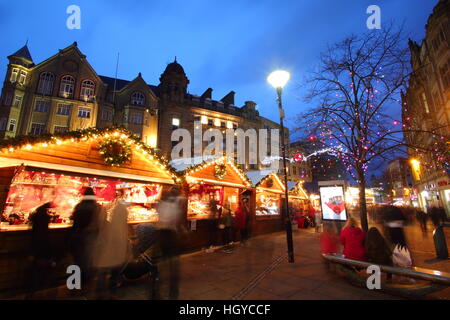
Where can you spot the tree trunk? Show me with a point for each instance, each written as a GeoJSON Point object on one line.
{"type": "Point", "coordinates": [362, 200]}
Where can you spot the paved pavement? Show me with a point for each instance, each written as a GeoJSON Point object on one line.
{"type": "Point", "coordinates": [260, 270]}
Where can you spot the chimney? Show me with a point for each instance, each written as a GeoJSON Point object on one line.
{"type": "Point", "coordinates": [207, 93]}
{"type": "Point", "coordinates": [229, 98]}
{"type": "Point", "coordinates": [250, 104]}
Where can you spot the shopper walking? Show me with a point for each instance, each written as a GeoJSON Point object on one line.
{"type": "Point", "coordinates": [113, 248]}
{"type": "Point", "coordinates": [242, 218]}
{"type": "Point", "coordinates": [86, 217]}
{"type": "Point", "coordinates": [41, 250]}
{"type": "Point", "coordinates": [170, 224]}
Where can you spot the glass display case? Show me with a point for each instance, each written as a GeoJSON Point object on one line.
{"type": "Point", "coordinates": [268, 204]}
{"type": "Point", "coordinates": [30, 189]}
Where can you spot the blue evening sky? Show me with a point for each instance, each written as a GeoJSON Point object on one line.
{"type": "Point", "coordinates": [225, 45]}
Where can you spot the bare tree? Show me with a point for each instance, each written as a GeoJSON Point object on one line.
{"type": "Point", "coordinates": [354, 92]}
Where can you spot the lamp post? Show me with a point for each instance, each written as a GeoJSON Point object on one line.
{"type": "Point", "coordinates": [278, 80]}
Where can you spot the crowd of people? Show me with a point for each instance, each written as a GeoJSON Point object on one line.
{"type": "Point", "coordinates": [100, 242]}
{"type": "Point", "coordinates": [371, 246]}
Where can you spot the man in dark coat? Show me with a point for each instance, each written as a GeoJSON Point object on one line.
{"type": "Point", "coordinates": [86, 222]}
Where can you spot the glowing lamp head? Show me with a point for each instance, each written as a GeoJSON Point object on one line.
{"type": "Point", "coordinates": [278, 78]}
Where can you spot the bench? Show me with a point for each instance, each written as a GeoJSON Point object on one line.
{"type": "Point", "coordinates": [429, 280]}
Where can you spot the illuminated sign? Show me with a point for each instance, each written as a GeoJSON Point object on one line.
{"type": "Point", "coordinates": [333, 203]}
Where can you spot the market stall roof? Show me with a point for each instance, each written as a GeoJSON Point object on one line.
{"type": "Point", "coordinates": [296, 190]}
{"type": "Point", "coordinates": [257, 176]}
{"type": "Point", "coordinates": [182, 164]}
{"type": "Point", "coordinates": [267, 180]}
{"type": "Point", "coordinates": [217, 170]}
{"type": "Point", "coordinates": [113, 152]}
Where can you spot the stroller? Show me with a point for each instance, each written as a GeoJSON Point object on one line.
{"type": "Point", "coordinates": [143, 259]}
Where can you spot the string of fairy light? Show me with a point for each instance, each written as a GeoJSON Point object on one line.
{"type": "Point", "coordinates": [110, 134]}
{"type": "Point", "coordinates": [326, 135]}
{"type": "Point", "coordinates": [221, 160]}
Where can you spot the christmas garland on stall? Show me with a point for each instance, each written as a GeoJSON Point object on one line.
{"type": "Point", "coordinates": [115, 151]}
{"type": "Point", "coordinates": [26, 142]}
{"type": "Point", "coordinates": [220, 170]}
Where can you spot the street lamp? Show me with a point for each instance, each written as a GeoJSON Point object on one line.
{"type": "Point", "coordinates": [278, 80]}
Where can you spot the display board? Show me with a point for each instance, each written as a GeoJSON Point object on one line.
{"type": "Point", "coordinates": [333, 203]}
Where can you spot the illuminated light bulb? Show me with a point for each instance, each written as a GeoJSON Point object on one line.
{"type": "Point", "coordinates": [123, 136]}
{"type": "Point", "coordinates": [45, 145]}
{"type": "Point", "coordinates": [58, 142]}
{"type": "Point", "coordinates": [28, 146]}
{"type": "Point", "coordinates": [11, 149]}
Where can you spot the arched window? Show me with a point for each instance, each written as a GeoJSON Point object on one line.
{"type": "Point", "coordinates": [66, 88]}
{"type": "Point", "coordinates": [137, 98]}
{"type": "Point", "coordinates": [87, 90]}
{"type": "Point", "coordinates": [46, 81]}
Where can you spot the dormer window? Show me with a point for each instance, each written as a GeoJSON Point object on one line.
{"type": "Point", "coordinates": [87, 90]}
{"type": "Point", "coordinates": [137, 99]}
{"type": "Point", "coordinates": [45, 85]}
{"type": "Point", "coordinates": [22, 77]}
{"type": "Point", "coordinates": [66, 88]}
{"type": "Point", "coordinates": [14, 74]}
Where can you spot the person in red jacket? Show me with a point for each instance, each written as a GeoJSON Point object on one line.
{"type": "Point", "coordinates": [241, 219]}
{"type": "Point", "coordinates": [352, 238]}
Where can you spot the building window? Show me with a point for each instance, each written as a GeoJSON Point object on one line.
{"type": "Point", "coordinates": [42, 106]}
{"type": "Point", "coordinates": [17, 101]}
{"type": "Point", "coordinates": [45, 85]}
{"type": "Point", "coordinates": [84, 112]}
{"type": "Point", "coordinates": [12, 125]}
{"type": "Point", "coordinates": [87, 90]}
{"type": "Point", "coordinates": [107, 115]}
{"type": "Point", "coordinates": [204, 120]}
{"type": "Point", "coordinates": [67, 85]}
{"type": "Point", "coordinates": [210, 122]}
{"type": "Point", "coordinates": [136, 118]}
{"type": "Point", "coordinates": [14, 74]}
{"type": "Point", "coordinates": [61, 129]}
{"type": "Point", "coordinates": [197, 119]}
{"type": "Point", "coordinates": [63, 109]}
{"type": "Point", "coordinates": [37, 129]}
{"type": "Point", "coordinates": [22, 77]}
{"type": "Point", "coordinates": [7, 99]}
{"type": "Point", "coordinates": [2, 124]}
{"type": "Point", "coordinates": [137, 99]}
{"type": "Point", "coordinates": [175, 123]}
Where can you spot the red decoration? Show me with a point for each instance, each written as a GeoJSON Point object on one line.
{"type": "Point", "coordinates": [298, 157]}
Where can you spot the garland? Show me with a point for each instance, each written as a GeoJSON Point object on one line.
{"type": "Point", "coordinates": [220, 170]}
{"type": "Point", "coordinates": [115, 151]}
{"type": "Point", "coordinates": [12, 144]}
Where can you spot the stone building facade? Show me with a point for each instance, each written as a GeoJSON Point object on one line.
{"type": "Point", "coordinates": [64, 93]}
{"type": "Point", "coordinates": [426, 107]}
